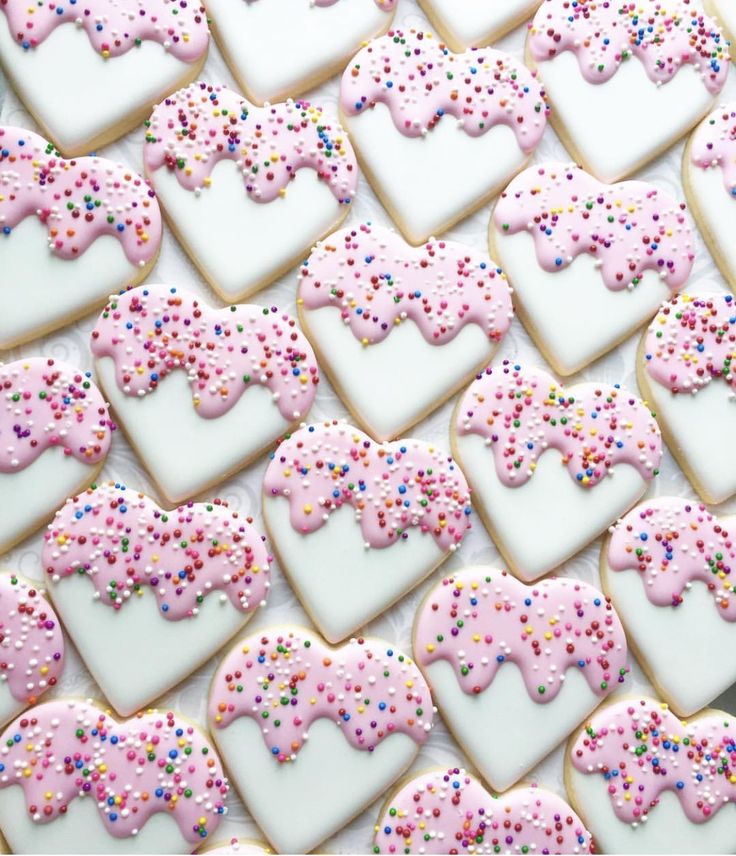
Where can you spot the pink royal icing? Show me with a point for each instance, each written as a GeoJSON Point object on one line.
{"type": "Point", "coordinates": [420, 80]}
{"type": "Point", "coordinates": [31, 642]}
{"type": "Point", "coordinates": [377, 281]}
{"type": "Point", "coordinates": [479, 620]}
{"type": "Point", "coordinates": [692, 341]}
{"type": "Point", "coordinates": [629, 228]}
{"type": "Point", "coordinates": [194, 129]}
{"type": "Point", "coordinates": [287, 678]}
{"type": "Point", "coordinates": [125, 543]}
{"type": "Point", "coordinates": [114, 26]}
{"type": "Point", "coordinates": [449, 811]}
{"type": "Point", "coordinates": [153, 330]}
{"type": "Point", "coordinates": [48, 404]}
{"type": "Point", "coordinates": [713, 144]}
{"type": "Point", "coordinates": [155, 762]}
{"type": "Point", "coordinates": [642, 750]}
{"type": "Point", "coordinates": [524, 413]}
{"type": "Point", "coordinates": [673, 543]}
{"type": "Point", "coordinates": [394, 488]}
{"type": "Point", "coordinates": [603, 34]}
{"type": "Point", "coordinates": [78, 200]}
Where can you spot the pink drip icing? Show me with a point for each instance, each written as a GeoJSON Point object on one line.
{"type": "Point", "coordinates": [78, 200]}
{"type": "Point", "coordinates": [155, 762]}
{"type": "Point", "coordinates": [456, 812]}
{"type": "Point", "coordinates": [194, 129]}
{"type": "Point", "coordinates": [366, 687]}
{"type": "Point", "coordinates": [603, 34]}
{"type": "Point", "coordinates": [46, 404]}
{"type": "Point", "coordinates": [674, 542]}
{"type": "Point", "coordinates": [643, 750]}
{"type": "Point", "coordinates": [629, 228]}
{"type": "Point", "coordinates": [524, 413]}
{"type": "Point", "coordinates": [420, 81]}
{"type": "Point", "coordinates": [125, 543]}
{"type": "Point", "coordinates": [153, 330]}
{"type": "Point", "coordinates": [395, 488]}
{"type": "Point", "coordinates": [714, 145]}
{"type": "Point", "coordinates": [377, 281]}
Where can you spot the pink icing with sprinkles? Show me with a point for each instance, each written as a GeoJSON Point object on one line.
{"type": "Point", "coordinates": [378, 281]}
{"type": "Point", "coordinates": [194, 129]}
{"type": "Point", "coordinates": [673, 543]}
{"type": "Point", "coordinates": [479, 620]}
{"type": "Point", "coordinates": [420, 80]}
{"type": "Point", "coordinates": [642, 750]}
{"type": "Point", "coordinates": [114, 26]}
{"type": "Point", "coordinates": [78, 200]}
{"type": "Point", "coordinates": [46, 404]}
{"type": "Point", "coordinates": [394, 488]}
{"type": "Point", "coordinates": [522, 413]}
{"type": "Point", "coordinates": [289, 678]}
{"type": "Point", "coordinates": [153, 330]}
{"type": "Point", "coordinates": [125, 543]}
{"type": "Point", "coordinates": [31, 642]}
{"type": "Point", "coordinates": [692, 341]}
{"type": "Point", "coordinates": [449, 811]}
{"type": "Point", "coordinates": [603, 35]}
{"type": "Point", "coordinates": [714, 145]}
{"type": "Point", "coordinates": [155, 762]}
{"type": "Point", "coordinates": [629, 228]}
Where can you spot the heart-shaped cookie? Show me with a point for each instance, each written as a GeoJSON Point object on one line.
{"type": "Point", "coordinates": [626, 82]}
{"type": "Point", "coordinates": [31, 645]}
{"type": "Point", "coordinates": [449, 811]}
{"type": "Point", "coordinates": [684, 370]}
{"type": "Point", "coordinates": [168, 588]}
{"type": "Point", "coordinates": [89, 74]}
{"type": "Point", "coordinates": [274, 53]}
{"type": "Point", "coordinates": [669, 567]}
{"type": "Point", "coordinates": [73, 232]}
{"type": "Point", "coordinates": [307, 726]}
{"type": "Point", "coordinates": [247, 190]}
{"type": "Point", "coordinates": [709, 180]}
{"type": "Point", "coordinates": [515, 668]}
{"type": "Point", "coordinates": [473, 23]}
{"type": "Point", "coordinates": [438, 134]}
{"type": "Point", "coordinates": [55, 433]}
{"type": "Point", "coordinates": [606, 255]}
{"type": "Point", "coordinates": [551, 468]}
{"type": "Point", "coordinates": [356, 524]}
{"type": "Point", "coordinates": [183, 376]}
{"type": "Point", "coordinates": [74, 780]}
{"type": "Point", "coordinates": [399, 329]}
{"type": "Point", "coordinates": [645, 782]}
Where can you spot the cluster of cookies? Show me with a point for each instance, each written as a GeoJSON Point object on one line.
{"type": "Point", "coordinates": [400, 321]}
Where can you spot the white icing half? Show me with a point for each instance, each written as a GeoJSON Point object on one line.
{"type": "Point", "coordinates": [392, 384]}
{"type": "Point", "coordinates": [678, 645]}
{"type": "Point", "coordinates": [101, 633]}
{"type": "Point", "coordinates": [240, 245]}
{"type": "Point", "coordinates": [549, 301]}
{"type": "Point", "coordinates": [476, 22]}
{"type": "Point", "coordinates": [81, 830]}
{"type": "Point", "coordinates": [301, 803]}
{"type": "Point", "coordinates": [667, 829]}
{"type": "Point", "coordinates": [98, 94]}
{"type": "Point", "coordinates": [37, 491]}
{"type": "Point", "coordinates": [41, 291]}
{"type": "Point", "coordinates": [620, 125]}
{"type": "Point", "coordinates": [184, 452]}
{"type": "Point", "coordinates": [342, 583]}
{"type": "Point", "coordinates": [428, 183]}
{"type": "Point", "coordinates": [701, 426]}
{"type": "Point", "coordinates": [275, 47]}
{"type": "Point", "coordinates": [503, 731]}
{"type": "Point", "coordinates": [540, 524]}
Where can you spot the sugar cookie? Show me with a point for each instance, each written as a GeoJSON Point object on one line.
{"type": "Point", "coordinates": [474, 23]}
{"type": "Point", "coordinates": [356, 524]}
{"type": "Point", "coordinates": [241, 846]}
{"type": "Point", "coordinates": [399, 329]}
